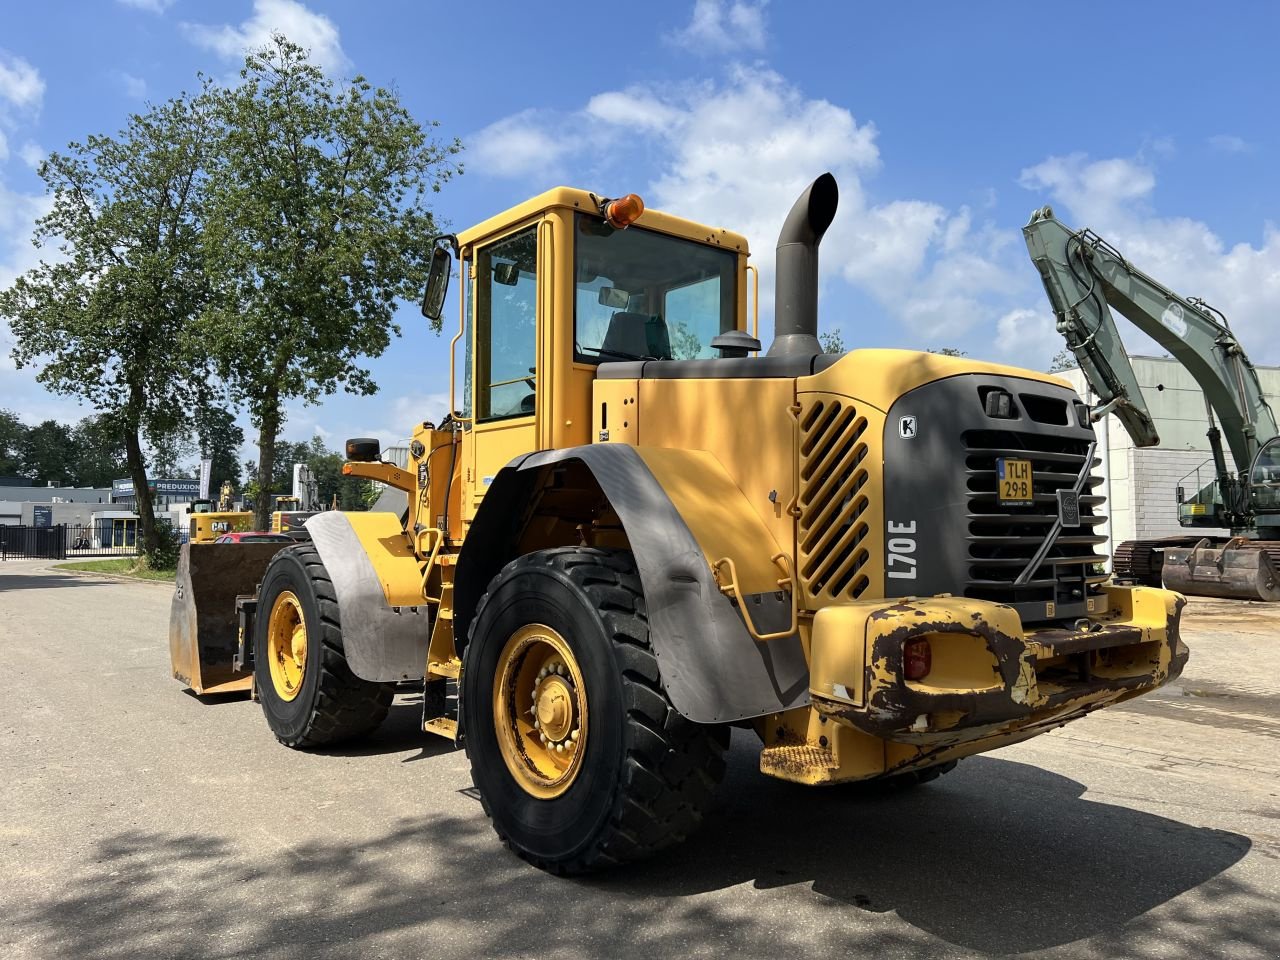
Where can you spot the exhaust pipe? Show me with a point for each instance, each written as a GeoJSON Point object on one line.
{"type": "Point", "coordinates": [795, 301]}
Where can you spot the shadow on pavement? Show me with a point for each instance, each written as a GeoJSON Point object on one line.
{"type": "Point", "coordinates": [43, 581]}
{"type": "Point", "coordinates": [999, 857]}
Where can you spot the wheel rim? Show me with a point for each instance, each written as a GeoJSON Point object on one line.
{"type": "Point", "coordinates": [540, 711]}
{"type": "Point", "coordinates": [287, 645]}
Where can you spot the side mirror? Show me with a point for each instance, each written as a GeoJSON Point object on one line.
{"type": "Point", "coordinates": [507, 274]}
{"type": "Point", "coordinates": [437, 283]}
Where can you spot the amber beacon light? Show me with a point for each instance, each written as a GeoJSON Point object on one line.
{"type": "Point", "coordinates": [624, 211]}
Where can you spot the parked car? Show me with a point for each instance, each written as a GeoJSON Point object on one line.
{"type": "Point", "coordinates": [254, 536]}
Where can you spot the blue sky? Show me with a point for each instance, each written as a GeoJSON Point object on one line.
{"type": "Point", "coordinates": [946, 124]}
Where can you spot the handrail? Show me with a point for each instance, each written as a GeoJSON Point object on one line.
{"type": "Point", "coordinates": [463, 270]}
{"type": "Point", "coordinates": [755, 300]}
{"type": "Point", "coordinates": [785, 582]}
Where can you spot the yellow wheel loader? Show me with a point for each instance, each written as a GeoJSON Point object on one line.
{"type": "Point", "coordinates": [640, 531]}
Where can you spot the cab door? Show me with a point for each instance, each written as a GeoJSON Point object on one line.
{"type": "Point", "coordinates": [505, 365]}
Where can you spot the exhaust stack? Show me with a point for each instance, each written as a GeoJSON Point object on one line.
{"type": "Point", "coordinates": [795, 302]}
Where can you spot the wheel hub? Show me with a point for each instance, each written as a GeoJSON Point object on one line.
{"type": "Point", "coordinates": [287, 645]}
{"type": "Point", "coordinates": [540, 710]}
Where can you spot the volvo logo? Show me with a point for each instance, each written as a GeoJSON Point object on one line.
{"type": "Point", "coordinates": [907, 428]}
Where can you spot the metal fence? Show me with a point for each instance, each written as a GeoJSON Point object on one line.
{"type": "Point", "coordinates": [106, 537]}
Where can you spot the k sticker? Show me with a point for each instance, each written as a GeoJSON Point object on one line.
{"type": "Point", "coordinates": [907, 428]}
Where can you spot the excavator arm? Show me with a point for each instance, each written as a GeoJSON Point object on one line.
{"type": "Point", "coordinates": [1084, 277]}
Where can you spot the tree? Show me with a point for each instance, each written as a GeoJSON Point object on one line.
{"type": "Point", "coordinates": [352, 493]}
{"type": "Point", "coordinates": [110, 319]}
{"type": "Point", "coordinates": [98, 451]}
{"type": "Point", "coordinates": [949, 352]}
{"type": "Point", "coordinates": [1064, 359]}
{"type": "Point", "coordinates": [832, 341]}
{"type": "Point", "coordinates": [12, 433]}
{"type": "Point", "coordinates": [318, 229]}
{"type": "Point", "coordinates": [47, 456]}
{"type": "Point", "coordinates": [220, 439]}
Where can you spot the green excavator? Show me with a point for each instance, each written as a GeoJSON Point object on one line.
{"type": "Point", "coordinates": [1085, 277]}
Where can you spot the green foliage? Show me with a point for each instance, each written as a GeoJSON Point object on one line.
{"type": "Point", "coordinates": [685, 344]}
{"type": "Point", "coordinates": [164, 555]}
{"type": "Point", "coordinates": [832, 341]}
{"type": "Point", "coordinates": [12, 435]}
{"type": "Point", "coordinates": [352, 493]}
{"type": "Point", "coordinates": [46, 455]}
{"type": "Point", "coordinates": [219, 438]}
{"type": "Point", "coordinates": [1064, 359]}
{"type": "Point", "coordinates": [98, 451]}
{"type": "Point", "coordinates": [318, 227]}
{"type": "Point", "coordinates": [109, 318]}
{"type": "Point", "coordinates": [950, 352]}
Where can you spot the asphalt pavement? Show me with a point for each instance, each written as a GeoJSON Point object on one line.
{"type": "Point", "coordinates": [137, 821]}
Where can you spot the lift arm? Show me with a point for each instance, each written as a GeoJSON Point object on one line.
{"type": "Point", "coordinates": [1084, 276]}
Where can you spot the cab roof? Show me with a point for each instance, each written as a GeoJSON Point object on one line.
{"type": "Point", "coordinates": [575, 199]}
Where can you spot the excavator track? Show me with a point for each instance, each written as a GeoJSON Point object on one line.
{"type": "Point", "coordinates": [1143, 560]}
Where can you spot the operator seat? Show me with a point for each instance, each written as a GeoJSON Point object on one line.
{"type": "Point", "coordinates": [637, 335]}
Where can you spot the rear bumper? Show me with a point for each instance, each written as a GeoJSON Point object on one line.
{"type": "Point", "coordinates": [990, 677]}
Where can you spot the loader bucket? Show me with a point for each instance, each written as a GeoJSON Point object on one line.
{"type": "Point", "coordinates": [203, 625]}
{"type": "Point", "coordinates": [1237, 571]}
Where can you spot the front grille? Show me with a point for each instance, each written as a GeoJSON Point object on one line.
{"type": "Point", "coordinates": [1003, 539]}
{"type": "Point", "coordinates": [832, 500]}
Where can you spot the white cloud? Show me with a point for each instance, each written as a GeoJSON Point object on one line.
{"type": "Point", "coordinates": [149, 6]}
{"type": "Point", "coordinates": [1093, 190]}
{"type": "Point", "coordinates": [1026, 333]}
{"type": "Point", "coordinates": [32, 154]}
{"type": "Point", "coordinates": [20, 82]}
{"type": "Point", "coordinates": [1114, 197]}
{"type": "Point", "coordinates": [1228, 143]}
{"type": "Point", "coordinates": [134, 87]}
{"type": "Point", "coordinates": [723, 27]}
{"type": "Point", "coordinates": [737, 154]}
{"type": "Point", "coordinates": [518, 146]}
{"type": "Point", "coordinates": [4, 148]}
{"type": "Point", "coordinates": [308, 29]}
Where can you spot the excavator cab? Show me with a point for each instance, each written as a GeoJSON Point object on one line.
{"type": "Point", "coordinates": [1264, 480]}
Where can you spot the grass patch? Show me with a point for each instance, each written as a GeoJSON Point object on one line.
{"type": "Point", "coordinates": [134, 567]}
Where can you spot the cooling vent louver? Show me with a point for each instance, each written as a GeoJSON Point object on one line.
{"type": "Point", "coordinates": [831, 501]}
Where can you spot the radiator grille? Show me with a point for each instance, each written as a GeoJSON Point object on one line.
{"type": "Point", "coordinates": [832, 501]}
{"type": "Point", "coordinates": [1003, 539]}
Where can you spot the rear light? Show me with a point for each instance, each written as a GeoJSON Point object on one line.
{"type": "Point", "coordinates": [917, 659]}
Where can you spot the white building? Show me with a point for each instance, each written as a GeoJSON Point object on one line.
{"type": "Point", "coordinates": [1140, 484]}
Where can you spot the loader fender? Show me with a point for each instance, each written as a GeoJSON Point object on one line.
{"type": "Point", "coordinates": [378, 581]}
{"type": "Point", "coordinates": [680, 512]}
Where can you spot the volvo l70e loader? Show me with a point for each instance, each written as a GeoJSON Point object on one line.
{"type": "Point", "coordinates": [1084, 276]}
{"type": "Point", "coordinates": [638, 532]}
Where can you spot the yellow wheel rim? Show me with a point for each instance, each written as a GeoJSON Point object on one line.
{"type": "Point", "coordinates": [540, 711]}
{"type": "Point", "coordinates": [287, 645]}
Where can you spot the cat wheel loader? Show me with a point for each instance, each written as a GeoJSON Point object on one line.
{"type": "Point", "coordinates": [640, 530]}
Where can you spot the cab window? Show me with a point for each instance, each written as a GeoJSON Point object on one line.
{"type": "Point", "coordinates": [506, 304]}
{"type": "Point", "coordinates": [644, 295]}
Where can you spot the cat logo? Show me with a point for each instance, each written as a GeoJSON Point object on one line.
{"type": "Point", "coordinates": [907, 428]}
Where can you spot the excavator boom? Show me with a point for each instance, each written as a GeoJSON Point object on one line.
{"type": "Point", "coordinates": [1084, 277]}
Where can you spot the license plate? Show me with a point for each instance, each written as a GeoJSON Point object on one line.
{"type": "Point", "coordinates": [1013, 482]}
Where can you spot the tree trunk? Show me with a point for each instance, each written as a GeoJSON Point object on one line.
{"type": "Point", "coordinates": [268, 426]}
{"type": "Point", "coordinates": [141, 492]}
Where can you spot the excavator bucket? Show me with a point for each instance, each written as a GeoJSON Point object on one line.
{"type": "Point", "coordinates": [1239, 570]}
{"type": "Point", "coordinates": [203, 624]}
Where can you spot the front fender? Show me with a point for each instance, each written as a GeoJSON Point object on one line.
{"type": "Point", "coordinates": [678, 509]}
{"type": "Point", "coordinates": [378, 582]}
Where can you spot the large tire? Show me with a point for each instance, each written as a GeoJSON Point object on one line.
{"type": "Point", "coordinates": [330, 705]}
{"type": "Point", "coordinates": [646, 774]}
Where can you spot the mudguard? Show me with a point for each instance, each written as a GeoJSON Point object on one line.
{"type": "Point", "coordinates": [378, 581]}
{"type": "Point", "coordinates": [711, 668]}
